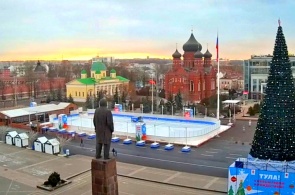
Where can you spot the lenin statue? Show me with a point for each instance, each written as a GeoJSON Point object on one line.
{"type": "Point", "coordinates": [104, 127]}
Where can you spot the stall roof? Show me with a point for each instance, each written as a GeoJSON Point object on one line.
{"type": "Point", "coordinates": [53, 142]}
{"type": "Point", "coordinates": [23, 136]}
{"type": "Point", "coordinates": [231, 101]}
{"type": "Point", "coordinates": [34, 110]}
{"type": "Point", "coordinates": [43, 139]}
{"type": "Point", "coordinates": [12, 133]}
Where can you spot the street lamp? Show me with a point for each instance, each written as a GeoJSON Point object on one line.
{"type": "Point", "coordinates": [171, 107]}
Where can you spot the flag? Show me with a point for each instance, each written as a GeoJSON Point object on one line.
{"type": "Point", "coordinates": [217, 52]}
{"type": "Point", "coordinates": [152, 82]}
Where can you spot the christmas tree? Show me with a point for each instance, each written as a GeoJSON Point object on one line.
{"type": "Point", "coordinates": [231, 191]}
{"type": "Point", "coordinates": [274, 138]}
{"type": "Point", "coordinates": [241, 190]}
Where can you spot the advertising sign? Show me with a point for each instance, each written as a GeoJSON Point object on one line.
{"type": "Point", "coordinates": [260, 182]}
{"type": "Point", "coordinates": [118, 108]}
{"type": "Point", "coordinates": [188, 113]}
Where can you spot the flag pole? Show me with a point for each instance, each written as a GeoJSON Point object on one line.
{"type": "Point", "coordinates": [152, 93]}
{"type": "Point", "coordinates": [218, 79]}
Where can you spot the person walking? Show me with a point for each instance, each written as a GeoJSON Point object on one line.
{"type": "Point", "coordinates": [82, 142]}
{"type": "Point", "coordinates": [104, 127]}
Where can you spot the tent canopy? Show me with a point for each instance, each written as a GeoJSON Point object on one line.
{"type": "Point", "coordinates": [231, 101]}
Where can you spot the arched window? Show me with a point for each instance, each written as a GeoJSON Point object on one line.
{"type": "Point", "coordinates": [192, 86]}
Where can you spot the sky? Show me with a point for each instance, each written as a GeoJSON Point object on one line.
{"type": "Point", "coordinates": [82, 29]}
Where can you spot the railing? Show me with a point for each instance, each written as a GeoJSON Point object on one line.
{"type": "Point", "coordinates": [154, 128]}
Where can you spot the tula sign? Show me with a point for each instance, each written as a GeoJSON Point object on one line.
{"type": "Point", "coordinates": [271, 177]}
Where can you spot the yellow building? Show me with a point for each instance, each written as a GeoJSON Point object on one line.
{"type": "Point", "coordinates": [99, 81]}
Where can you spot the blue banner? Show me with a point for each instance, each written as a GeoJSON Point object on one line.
{"type": "Point", "coordinates": [252, 181]}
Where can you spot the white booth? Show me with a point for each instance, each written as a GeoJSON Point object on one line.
{"type": "Point", "coordinates": [21, 140]}
{"type": "Point", "coordinates": [39, 144]}
{"type": "Point", "coordinates": [9, 137]}
{"type": "Point", "coordinates": [52, 146]}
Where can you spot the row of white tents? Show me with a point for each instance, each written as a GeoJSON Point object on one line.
{"type": "Point", "coordinates": [41, 144]}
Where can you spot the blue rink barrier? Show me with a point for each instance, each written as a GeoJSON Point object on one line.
{"type": "Point", "coordinates": [186, 149]}
{"type": "Point", "coordinates": [127, 141]}
{"type": "Point", "coordinates": [169, 147]}
{"type": "Point", "coordinates": [81, 134]}
{"type": "Point", "coordinates": [179, 120]}
{"type": "Point", "coordinates": [115, 139]}
{"type": "Point", "coordinates": [140, 143]}
{"type": "Point", "coordinates": [91, 136]}
{"type": "Point", "coordinates": [155, 145]}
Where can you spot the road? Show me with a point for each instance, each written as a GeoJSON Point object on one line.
{"type": "Point", "coordinates": [212, 158]}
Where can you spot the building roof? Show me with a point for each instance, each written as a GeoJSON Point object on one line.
{"type": "Point", "coordinates": [34, 110]}
{"type": "Point", "coordinates": [83, 72]}
{"type": "Point", "coordinates": [176, 54]}
{"type": "Point", "coordinates": [39, 68]}
{"type": "Point", "coordinates": [23, 136]}
{"type": "Point", "coordinates": [92, 81]}
{"type": "Point", "coordinates": [231, 101]}
{"type": "Point", "coordinates": [53, 142]}
{"type": "Point", "coordinates": [207, 54]}
{"type": "Point", "coordinates": [192, 45]}
{"type": "Point", "coordinates": [98, 66]}
{"type": "Point", "coordinates": [113, 71]}
{"type": "Point", "coordinates": [42, 140]}
{"type": "Point", "coordinates": [12, 133]}
{"type": "Point", "coordinates": [97, 72]}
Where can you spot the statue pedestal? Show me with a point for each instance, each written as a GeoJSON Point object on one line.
{"type": "Point", "coordinates": [104, 177]}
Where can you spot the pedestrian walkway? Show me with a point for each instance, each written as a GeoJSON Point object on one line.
{"type": "Point", "coordinates": [22, 170]}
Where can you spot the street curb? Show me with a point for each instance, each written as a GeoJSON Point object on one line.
{"type": "Point", "coordinates": [149, 180]}
{"type": "Point", "coordinates": [77, 174]}
{"type": "Point", "coordinates": [170, 184]}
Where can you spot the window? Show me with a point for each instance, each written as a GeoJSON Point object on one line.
{"type": "Point", "coordinates": [79, 94]}
{"type": "Point", "coordinates": [192, 86]}
{"type": "Point", "coordinates": [212, 84]}
{"type": "Point", "coordinates": [199, 86]}
{"type": "Point", "coordinates": [83, 94]}
{"type": "Point", "coordinates": [204, 86]}
{"type": "Point", "coordinates": [76, 93]}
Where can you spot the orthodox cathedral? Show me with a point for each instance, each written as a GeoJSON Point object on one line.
{"type": "Point", "coordinates": [192, 73]}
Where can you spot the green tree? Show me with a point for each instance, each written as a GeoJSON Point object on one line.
{"type": "Point", "coordinates": [98, 97]}
{"type": "Point", "coordinates": [70, 99]}
{"type": "Point", "coordinates": [115, 98]}
{"type": "Point", "coordinates": [274, 137]}
{"type": "Point", "coordinates": [241, 190]}
{"type": "Point", "coordinates": [251, 111]}
{"type": "Point", "coordinates": [178, 101]}
{"type": "Point", "coordinates": [88, 103]}
{"type": "Point", "coordinates": [48, 99]}
{"type": "Point", "coordinates": [256, 108]}
{"type": "Point", "coordinates": [171, 103]}
{"type": "Point", "coordinates": [231, 191]}
{"type": "Point", "coordinates": [59, 94]}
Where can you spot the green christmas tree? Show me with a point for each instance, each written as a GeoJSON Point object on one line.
{"type": "Point", "coordinates": [231, 191]}
{"type": "Point", "coordinates": [241, 190]}
{"type": "Point", "coordinates": [178, 101]}
{"type": "Point", "coordinates": [70, 99]}
{"type": "Point", "coordinates": [275, 135]}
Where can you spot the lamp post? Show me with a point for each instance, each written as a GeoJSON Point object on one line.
{"type": "Point", "coordinates": [15, 96]}
{"type": "Point", "coordinates": [171, 107]}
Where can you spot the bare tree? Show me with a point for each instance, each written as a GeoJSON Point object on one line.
{"type": "Point", "coordinates": [32, 136]}
{"type": "Point", "coordinates": [62, 142]}
{"type": "Point", "coordinates": [3, 131]}
{"type": "Point", "coordinates": [2, 88]}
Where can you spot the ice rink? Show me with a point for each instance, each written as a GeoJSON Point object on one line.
{"type": "Point", "coordinates": [156, 125]}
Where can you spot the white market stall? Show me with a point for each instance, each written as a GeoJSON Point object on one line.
{"type": "Point", "coordinates": [39, 144]}
{"type": "Point", "coordinates": [52, 146]}
{"type": "Point", "coordinates": [21, 140]}
{"type": "Point", "coordinates": [9, 137]}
